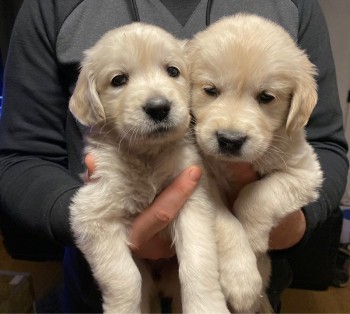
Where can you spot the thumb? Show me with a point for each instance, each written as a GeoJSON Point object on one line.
{"type": "Point", "coordinates": [164, 208]}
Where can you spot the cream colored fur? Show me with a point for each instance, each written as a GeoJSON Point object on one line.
{"type": "Point", "coordinates": [253, 92]}
{"type": "Point", "coordinates": [136, 157]}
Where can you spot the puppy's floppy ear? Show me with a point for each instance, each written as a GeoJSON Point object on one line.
{"type": "Point", "coordinates": [304, 98]}
{"type": "Point", "coordinates": [85, 103]}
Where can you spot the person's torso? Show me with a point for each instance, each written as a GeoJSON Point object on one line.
{"type": "Point", "coordinates": [88, 20]}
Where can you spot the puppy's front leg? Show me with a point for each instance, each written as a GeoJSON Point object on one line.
{"type": "Point", "coordinates": [262, 204]}
{"type": "Point", "coordinates": [239, 275]}
{"type": "Point", "coordinates": [197, 255]}
{"type": "Point", "coordinates": [104, 245]}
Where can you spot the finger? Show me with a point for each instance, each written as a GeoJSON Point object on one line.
{"type": "Point", "coordinates": [156, 248]}
{"type": "Point", "coordinates": [90, 165]}
{"type": "Point", "coordinates": [244, 174]}
{"type": "Point", "coordinates": [165, 207]}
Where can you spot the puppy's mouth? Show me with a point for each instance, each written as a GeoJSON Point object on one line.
{"type": "Point", "coordinates": [160, 130]}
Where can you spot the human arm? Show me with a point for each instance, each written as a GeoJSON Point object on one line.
{"type": "Point", "coordinates": [324, 132]}
{"type": "Point", "coordinates": [35, 183]}
{"type": "Point", "coordinates": [325, 128]}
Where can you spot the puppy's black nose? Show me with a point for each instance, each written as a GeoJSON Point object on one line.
{"type": "Point", "coordinates": [157, 108]}
{"type": "Point", "coordinates": [230, 142]}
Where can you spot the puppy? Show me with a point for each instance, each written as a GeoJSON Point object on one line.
{"type": "Point", "coordinates": [133, 92]}
{"type": "Point", "coordinates": [253, 92]}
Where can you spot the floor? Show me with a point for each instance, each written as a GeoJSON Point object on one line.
{"type": "Point", "coordinates": [47, 276]}
{"type": "Point", "coordinates": [333, 300]}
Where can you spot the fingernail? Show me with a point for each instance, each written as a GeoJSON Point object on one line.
{"type": "Point", "coordinates": [195, 174]}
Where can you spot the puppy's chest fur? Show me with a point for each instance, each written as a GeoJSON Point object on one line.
{"type": "Point", "coordinates": [132, 179]}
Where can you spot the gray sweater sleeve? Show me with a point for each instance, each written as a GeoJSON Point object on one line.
{"type": "Point", "coordinates": [325, 128]}
{"type": "Point", "coordinates": [35, 185]}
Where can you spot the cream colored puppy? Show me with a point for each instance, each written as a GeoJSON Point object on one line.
{"type": "Point", "coordinates": [133, 92]}
{"type": "Point", "coordinates": [253, 92]}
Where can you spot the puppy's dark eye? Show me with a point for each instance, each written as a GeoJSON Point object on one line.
{"type": "Point", "coordinates": [173, 71]}
{"type": "Point", "coordinates": [264, 97]}
{"type": "Point", "coordinates": [119, 80]}
{"type": "Point", "coordinates": [211, 91]}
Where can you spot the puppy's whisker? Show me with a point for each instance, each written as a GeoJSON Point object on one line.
{"type": "Point", "coordinates": [275, 149]}
{"type": "Point", "coordinates": [261, 152]}
{"type": "Point", "coordinates": [104, 126]}
{"type": "Point", "coordinates": [279, 139]}
{"type": "Point", "coordinates": [281, 154]}
{"type": "Point", "coordinates": [136, 134]}
{"type": "Point", "coordinates": [123, 136]}
{"type": "Point", "coordinates": [133, 137]}
{"type": "Point", "coordinates": [279, 136]}
{"type": "Point", "coordinates": [272, 153]}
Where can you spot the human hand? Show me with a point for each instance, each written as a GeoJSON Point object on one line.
{"type": "Point", "coordinates": [244, 174]}
{"type": "Point", "coordinates": [290, 229]}
{"type": "Point", "coordinates": [288, 232]}
{"type": "Point", "coordinates": [144, 235]}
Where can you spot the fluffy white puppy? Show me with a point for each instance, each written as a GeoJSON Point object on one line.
{"type": "Point", "coordinates": [253, 92]}
{"type": "Point", "coordinates": [133, 92]}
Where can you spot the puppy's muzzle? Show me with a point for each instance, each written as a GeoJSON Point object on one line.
{"type": "Point", "coordinates": [157, 108]}
{"type": "Point", "coordinates": [230, 143]}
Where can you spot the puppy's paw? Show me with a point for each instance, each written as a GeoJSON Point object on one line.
{"type": "Point", "coordinates": [242, 288]}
